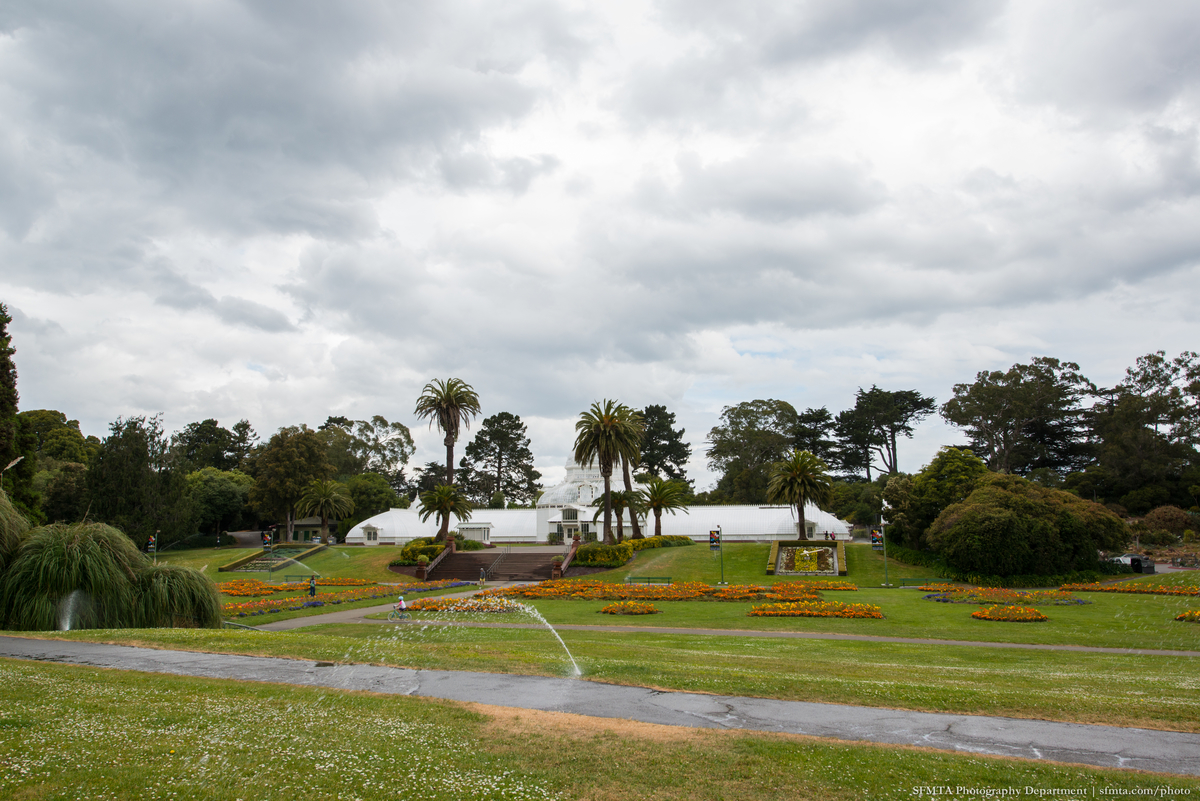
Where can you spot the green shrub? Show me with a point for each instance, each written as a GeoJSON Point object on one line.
{"type": "Point", "coordinates": [175, 596]}
{"type": "Point", "coordinates": [596, 554]}
{"type": "Point", "coordinates": [665, 541]}
{"type": "Point", "coordinates": [555, 538]}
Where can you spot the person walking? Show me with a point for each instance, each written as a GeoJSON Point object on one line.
{"type": "Point", "coordinates": [312, 585]}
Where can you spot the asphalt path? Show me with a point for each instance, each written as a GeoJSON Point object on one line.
{"type": "Point", "coordinates": [1105, 746]}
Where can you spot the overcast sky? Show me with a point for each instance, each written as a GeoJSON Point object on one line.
{"type": "Point", "coordinates": [282, 211]}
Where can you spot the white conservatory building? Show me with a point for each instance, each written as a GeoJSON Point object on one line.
{"type": "Point", "coordinates": [568, 507]}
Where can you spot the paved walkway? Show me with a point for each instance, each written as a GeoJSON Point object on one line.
{"type": "Point", "coordinates": [1105, 746]}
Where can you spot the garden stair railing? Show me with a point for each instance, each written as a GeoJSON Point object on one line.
{"type": "Point", "coordinates": [503, 553]}
{"type": "Point", "coordinates": [437, 560]}
{"type": "Point", "coordinates": [568, 555]}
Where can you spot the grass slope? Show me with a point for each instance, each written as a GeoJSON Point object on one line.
{"type": "Point", "coordinates": [73, 732]}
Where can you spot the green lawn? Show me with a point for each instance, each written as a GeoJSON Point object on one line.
{"type": "Point", "coordinates": [75, 732]}
{"type": "Point", "coordinates": [339, 560]}
{"type": "Point", "coordinates": [1116, 689]}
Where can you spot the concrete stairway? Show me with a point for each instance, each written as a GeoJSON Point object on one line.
{"type": "Point", "coordinates": [465, 565]}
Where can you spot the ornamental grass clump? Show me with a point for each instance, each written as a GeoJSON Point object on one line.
{"type": "Point", "coordinates": [1010, 614]}
{"type": "Point", "coordinates": [631, 608]}
{"type": "Point", "coordinates": [817, 609]}
{"type": "Point", "coordinates": [12, 530]}
{"type": "Point", "coordinates": [1190, 616]}
{"type": "Point", "coordinates": [89, 575]}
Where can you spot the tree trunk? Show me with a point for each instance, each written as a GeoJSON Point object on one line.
{"type": "Point", "coordinates": [449, 459]}
{"type": "Point", "coordinates": [291, 524]}
{"type": "Point", "coordinates": [324, 529]}
{"type": "Point", "coordinates": [608, 535]}
{"type": "Point", "coordinates": [633, 521]}
{"type": "Point", "coordinates": [445, 532]}
{"type": "Point", "coordinates": [658, 522]}
{"type": "Point", "coordinates": [620, 524]}
{"type": "Point", "coordinates": [803, 522]}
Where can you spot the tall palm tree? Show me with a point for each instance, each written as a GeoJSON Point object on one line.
{"type": "Point", "coordinates": [799, 479]}
{"type": "Point", "coordinates": [661, 496]}
{"type": "Point", "coordinates": [604, 434]}
{"type": "Point", "coordinates": [636, 420]}
{"type": "Point", "coordinates": [449, 404]}
{"type": "Point", "coordinates": [325, 499]}
{"type": "Point", "coordinates": [621, 500]}
{"type": "Point", "coordinates": [445, 500]}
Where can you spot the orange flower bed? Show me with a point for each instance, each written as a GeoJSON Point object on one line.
{"type": "Point", "coordinates": [1010, 614]}
{"type": "Point", "coordinates": [267, 605]}
{"type": "Point", "coordinates": [591, 590]}
{"type": "Point", "coordinates": [817, 609]}
{"type": "Point", "coordinates": [630, 608]}
{"type": "Point", "coordinates": [1190, 616]}
{"type": "Point", "coordinates": [1136, 589]}
{"type": "Point", "coordinates": [938, 587]}
{"type": "Point", "coordinates": [244, 588]}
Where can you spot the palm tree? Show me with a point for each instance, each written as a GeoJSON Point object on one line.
{"type": "Point", "coordinates": [636, 420]}
{"type": "Point", "coordinates": [799, 479]}
{"type": "Point", "coordinates": [604, 434]}
{"type": "Point", "coordinates": [621, 500]}
{"type": "Point", "coordinates": [325, 499]}
{"type": "Point", "coordinates": [661, 496]}
{"type": "Point", "coordinates": [449, 404]}
{"type": "Point", "coordinates": [445, 500]}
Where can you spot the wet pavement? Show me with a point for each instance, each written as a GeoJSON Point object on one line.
{"type": "Point", "coordinates": [1105, 746]}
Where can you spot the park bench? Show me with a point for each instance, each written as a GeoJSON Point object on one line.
{"type": "Point", "coordinates": [288, 579]}
{"type": "Point", "coordinates": [912, 582]}
{"type": "Point", "coordinates": [647, 579]}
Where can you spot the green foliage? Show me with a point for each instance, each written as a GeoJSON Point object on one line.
{"type": "Point", "coordinates": [12, 529]}
{"type": "Point", "coordinates": [1169, 518]}
{"type": "Point", "coordinates": [450, 405]}
{"type": "Point", "coordinates": [606, 433]}
{"type": "Point", "coordinates": [498, 460]}
{"type": "Point", "coordinates": [292, 459]}
{"type": "Point", "coordinates": [136, 487]}
{"type": "Point", "coordinates": [168, 596]}
{"type": "Point", "coordinates": [800, 478]}
{"type": "Point", "coordinates": [751, 436]}
{"type": "Point", "coordinates": [600, 555]}
{"type": "Point", "coordinates": [205, 444]}
{"type": "Point", "coordinates": [65, 498]}
{"type": "Point", "coordinates": [663, 496]}
{"type": "Point", "coordinates": [1009, 526]}
{"type": "Point", "coordinates": [858, 502]}
{"type": "Point", "coordinates": [915, 503]}
{"type": "Point", "coordinates": [355, 447]}
{"type": "Point", "coordinates": [1026, 418]}
{"type": "Point", "coordinates": [372, 495]}
{"type": "Point", "coordinates": [664, 451]}
{"type": "Point", "coordinates": [221, 496]}
{"type": "Point", "coordinates": [444, 500]}
{"type": "Point", "coordinates": [325, 499]}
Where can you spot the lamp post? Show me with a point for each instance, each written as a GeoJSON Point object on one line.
{"type": "Point", "coordinates": [883, 536]}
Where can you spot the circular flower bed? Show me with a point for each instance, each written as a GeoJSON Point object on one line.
{"type": "Point", "coordinates": [630, 608]}
{"type": "Point", "coordinates": [817, 609]}
{"type": "Point", "coordinates": [1010, 614]}
{"type": "Point", "coordinates": [1190, 616]}
{"type": "Point", "coordinates": [1003, 597]}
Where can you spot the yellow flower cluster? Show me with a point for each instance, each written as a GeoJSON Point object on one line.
{"type": "Point", "coordinates": [1190, 616]}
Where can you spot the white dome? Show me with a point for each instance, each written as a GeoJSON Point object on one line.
{"type": "Point", "coordinates": [580, 486]}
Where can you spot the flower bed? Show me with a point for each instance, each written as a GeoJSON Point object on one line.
{"type": "Point", "coordinates": [269, 605]}
{"type": "Point", "coordinates": [816, 609]}
{"type": "Point", "coordinates": [1137, 589]}
{"type": "Point", "coordinates": [1190, 616]}
{"type": "Point", "coordinates": [591, 590]}
{"type": "Point", "coordinates": [631, 608]}
{"type": "Point", "coordinates": [1010, 614]}
{"type": "Point", "coordinates": [255, 587]}
{"type": "Point", "coordinates": [1002, 597]}
{"type": "Point", "coordinates": [476, 604]}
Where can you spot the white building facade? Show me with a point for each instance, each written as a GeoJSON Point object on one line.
{"type": "Point", "coordinates": [567, 508]}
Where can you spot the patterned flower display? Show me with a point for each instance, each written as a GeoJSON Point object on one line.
{"type": "Point", "coordinates": [951, 594]}
{"type": "Point", "coordinates": [631, 608]}
{"type": "Point", "coordinates": [817, 609]}
{"type": "Point", "coordinates": [1010, 614]}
